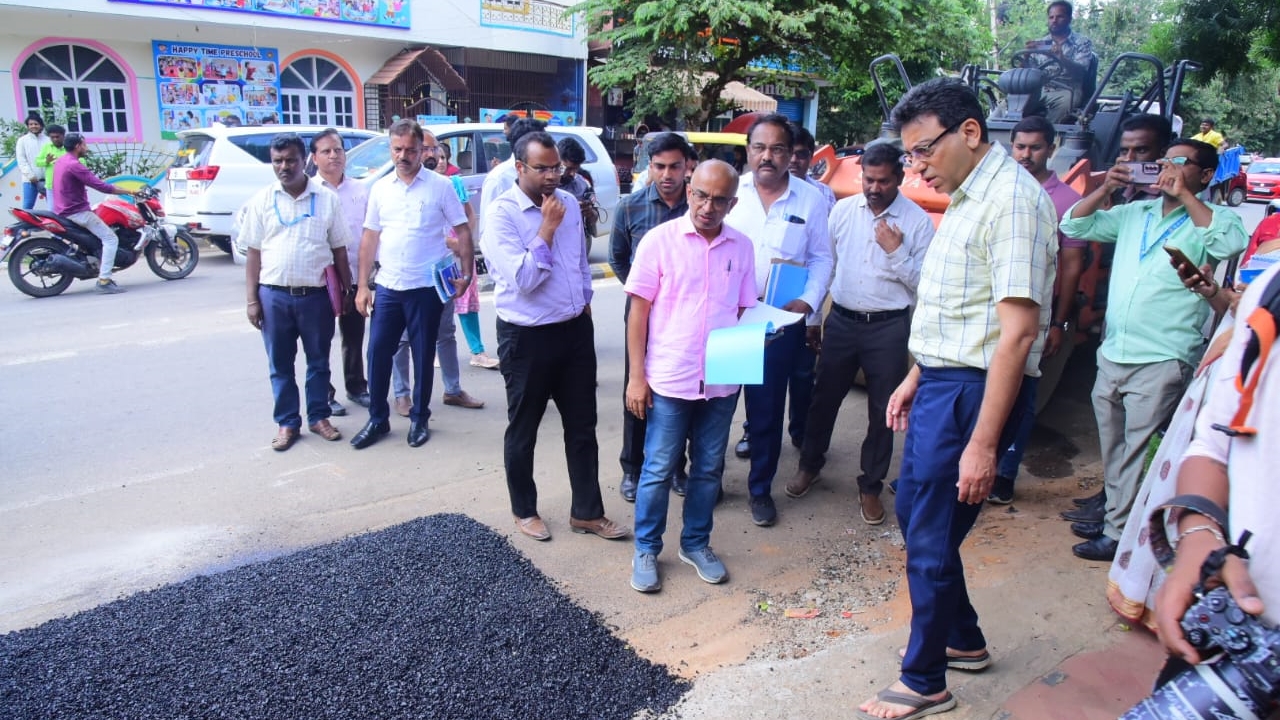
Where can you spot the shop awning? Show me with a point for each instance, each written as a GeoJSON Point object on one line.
{"type": "Point", "coordinates": [429, 59]}
{"type": "Point", "coordinates": [748, 99]}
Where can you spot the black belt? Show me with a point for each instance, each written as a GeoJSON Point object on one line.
{"type": "Point", "coordinates": [868, 317]}
{"type": "Point", "coordinates": [296, 291]}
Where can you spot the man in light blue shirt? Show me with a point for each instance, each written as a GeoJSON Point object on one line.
{"type": "Point", "coordinates": [1153, 325]}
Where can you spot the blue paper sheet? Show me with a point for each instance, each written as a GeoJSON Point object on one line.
{"type": "Point", "coordinates": [735, 355]}
{"type": "Point", "coordinates": [785, 283]}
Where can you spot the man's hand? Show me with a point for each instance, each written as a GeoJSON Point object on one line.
{"type": "Point", "coordinates": [798, 306]}
{"type": "Point", "coordinates": [460, 284]}
{"type": "Point", "coordinates": [1053, 341]}
{"type": "Point", "coordinates": [977, 473]}
{"type": "Point", "coordinates": [899, 408]}
{"type": "Point", "coordinates": [639, 397]}
{"type": "Point", "coordinates": [552, 215]}
{"type": "Point", "coordinates": [364, 301]}
{"type": "Point", "coordinates": [1119, 176]}
{"type": "Point", "coordinates": [1171, 183]}
{"type": "Point", "coordinates": [589, 212]}
{"type": "Point", "coordinates": [813, 338]}
{"type": "Point", "coordinates": [1176, 594]}
{"type": "Point", "coordinates": [888, 237]}
{"type": "Point", "coordinates": [254, 313]}
{"type": "Point", "coordinates": [349, 303]}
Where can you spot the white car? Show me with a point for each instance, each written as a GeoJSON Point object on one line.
{"type": "Point", "coordinates": [219, 168]}
{"type": "Point", "coordinates": [476, 147]}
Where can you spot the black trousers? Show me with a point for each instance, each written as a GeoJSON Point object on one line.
{"type": "Point", "coordinates": [551, 362]}
{"type": "Point", "coordinates": [633, 428]}
{"type": "Point", "coordinates": [351, 328]}
{"type": "Point", "coordinates": [879, 349]}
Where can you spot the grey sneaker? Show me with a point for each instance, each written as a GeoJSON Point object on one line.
{"type": "Point", "coordinates": [763, 512]}
{"type": "Point", "coordinates": [709, 567]}
{"type": "Point", "coordinates": [108, 287]}
{"type": "Point", "coordinates": [644, 572]}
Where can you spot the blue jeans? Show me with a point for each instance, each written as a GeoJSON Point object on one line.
{"type": "Point", "coordinates": [286, 319]}
{"type": "Point", "coordinates": [416, 311]}
{"type": "Point", "coordinates": [705, 423]}
{"type": "Point", "coordinates": [1011, 459]}
{"type": "Point", "coordinates": [934, 522]}
{"type": "Point", "coordinates": [766, 404]}
{"type": "Point", "coordinates": [446, 352]}
{"type": "Point", "coordinates": [30, 192]}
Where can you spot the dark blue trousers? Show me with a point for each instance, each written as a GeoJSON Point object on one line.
{"type": "Point", "coordinates": [416, 311]}
{"type": "Point", "coordinates": [286, 319]}
{"type": "Point", "coordinates": [766, 404]}
{"type": "Point", "coordinates": [934, 522]}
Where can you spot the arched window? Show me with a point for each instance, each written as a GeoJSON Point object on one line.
{"type": "Point", "coordinates": [88, 84]}
{"type": "Point", "coordinates": [315, 91]}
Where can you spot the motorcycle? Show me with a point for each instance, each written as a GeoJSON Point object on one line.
{"type": "Point", "coordinates": [47, 252]}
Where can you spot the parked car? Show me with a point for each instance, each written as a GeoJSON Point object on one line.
{"type": "Point", "coordinates": [1264, 179]}
{"type": "Point", "coordinates": [1233, 191]}
{"type": "Point", "coordinates": [219, 168]}
{"type": "Point", "coordinates": [477, 147]}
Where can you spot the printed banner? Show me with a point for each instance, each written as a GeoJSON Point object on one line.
{"type": "Point", "coordinates": [199, 85]}
{"type": "Point", "coordinates": [550, 117]}
{"type": "Point", "coordinates": [384, 13]}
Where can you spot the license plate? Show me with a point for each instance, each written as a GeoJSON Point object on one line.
{"type": "Point", "coordinates": [194, 187]}
{"type": "Point", "coordinates": [177, 188]}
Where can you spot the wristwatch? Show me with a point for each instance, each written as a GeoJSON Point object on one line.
{"type": "Point", "coordinates": [1065, 325]}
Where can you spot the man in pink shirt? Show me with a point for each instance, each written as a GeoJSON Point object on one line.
{"type": "Point", "coordinates": [690, 275]}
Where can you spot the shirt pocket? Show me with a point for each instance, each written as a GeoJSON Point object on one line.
{"type": "Point", "coordinates": [794, 239]}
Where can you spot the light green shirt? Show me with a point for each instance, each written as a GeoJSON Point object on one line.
{"type": "Point", "coordinates": [56, 151]}
{"type": "Point", "coordinates": [1150, 315]}
{"type": "Point", "coordinates": [998, 240]}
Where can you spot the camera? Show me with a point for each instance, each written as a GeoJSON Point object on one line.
{"type": "Point", "coordinates": [1143, 173]}
{"type": "Point", "coordinates": [1243, 682]}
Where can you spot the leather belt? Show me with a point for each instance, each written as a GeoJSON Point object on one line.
{"type": "Point", "coordinates": [296, 291]}
{"type": "Point", "coordinates": [868, 317]}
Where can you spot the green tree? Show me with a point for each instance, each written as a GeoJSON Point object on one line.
{"type": "Point", "coordinates": [1229, 37]}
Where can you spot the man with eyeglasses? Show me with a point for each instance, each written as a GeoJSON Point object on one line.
{"type": "Point", "coordinates": [293, 230]}
{"type": "Point", "coordinates": [546, 341]}
{"type": "Point", "coordinates": [1153, 330]}
{"type": "Point", "coordinates": [664, 198]}
{"type": "Point", "coordinates": [690, 276]}
{"type": "Point", "coordinates": [880, 238]}
{"type": "Point", "coordinates": [404, 230]}
{"type": "Point", "coordinates": [786, 219]}
{"type": "Point", "coordinates": [802, 158]}
{"type": "Point", "coordinates": [982, 311]}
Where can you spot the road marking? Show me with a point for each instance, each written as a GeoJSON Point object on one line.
{"type": "Point", "coordinates": [114, 485]}
{"type": "Point", "coordinates": [41, 357]}
{"type": "Point", "coordinates": [116, 326]}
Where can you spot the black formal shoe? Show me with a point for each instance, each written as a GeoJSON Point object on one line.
{"type": "Point", "coordinates": [419, 434]}
{"type": "Point", "coordinates": [1086, 531]}
{"type": "Point", "coordinates": [628, 486]}
{"type": "Point", "coordinates": [679, 482]}
{"type": "Point", "coordinates": [1101, 549]}
{"type": "Point", "coordinates": [743, 448]}
{"type": "Point", "coordinates": [369, 434]}
{"type": "Point", "coordinates": [1098, 497]}
{"type": "Point", "coordinates": [361, 399]}
{"type": "Point", "coordinates": [336, 409]}
{"type": "Point", "coordinates": [1084, 514]}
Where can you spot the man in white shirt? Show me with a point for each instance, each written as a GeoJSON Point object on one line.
{"type": "Point", "coordinates": [25, 151]}
{"type": "Point", "coordinates": [503, 177]}
{"type": "Point", "coordinates": [786, 219]}
{"type": "Point", "coordinates": [404, 229]}
{"type": "Point", "coordinates": [293, 230]}
{"type": "Point", "coordinates": [880, 240]}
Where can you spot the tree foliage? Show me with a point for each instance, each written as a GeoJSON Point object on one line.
{"type": "Point", "coordinates": [1229, 37]}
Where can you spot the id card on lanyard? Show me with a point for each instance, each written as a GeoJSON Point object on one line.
{"type": "Point", "coordinates": [1164, 236]}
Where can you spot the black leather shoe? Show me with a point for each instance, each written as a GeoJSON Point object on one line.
{"type": "Point", "coordinates": [336, 409]}
{"type": "Point", "coordinates": [1098, 497]}
{"type": "Point", "coordinates": [679, 482]}
{"type": "Point", "coordinates": [1101, 549]}
{"type": "Point", "coordinates": [419, 434]}
{"type": "Point", "coordinates": [1086, 531]}
{"type": "Point", "coordinates": [361, 399]}
{"type": "Point", "coordinates": [743, 448]}
{"type": "Point", "coordinates": [1084, 515]}
{"type": "Point", "coordinates": [628, 486]}
{"type": "Point", "coordinates": [369, 434]}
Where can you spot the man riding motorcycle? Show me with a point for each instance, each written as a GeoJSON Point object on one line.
{"type": "Point", "coordinates": [71, 200]}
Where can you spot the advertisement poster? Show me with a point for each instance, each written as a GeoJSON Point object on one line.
{"type": "Point", "coordinates": [384, 13]}
{"type": "Point", "coordinates": [199, 85]}
{"type": "Point", "coordinates": [550, 117]}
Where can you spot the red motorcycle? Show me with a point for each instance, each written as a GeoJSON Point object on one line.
{"type": "Point", "coordinates": [47, 251]}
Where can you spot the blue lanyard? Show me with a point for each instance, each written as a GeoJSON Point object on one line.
{"type": "Point", "coordinates": [275, 203]}
{"type": "Point", "coordinates": [1164, 236]}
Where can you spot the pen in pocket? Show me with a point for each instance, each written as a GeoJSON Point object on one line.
{"type": "Point", "coordinates": [794, 219]}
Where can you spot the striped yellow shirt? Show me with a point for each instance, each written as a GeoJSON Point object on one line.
{"type": "Point", "coordinates": [997, 240]}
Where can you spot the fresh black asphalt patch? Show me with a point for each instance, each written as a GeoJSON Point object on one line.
{"type": "Point", "coordinates": [435, 618]}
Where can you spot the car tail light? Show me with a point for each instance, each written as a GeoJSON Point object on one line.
{"type": "Point", "coordinates": [206, 173]}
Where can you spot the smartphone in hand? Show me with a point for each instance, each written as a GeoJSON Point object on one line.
{"type": "Point", "coordinates": [1143, 173]}
{"type": "Point", "coordinates": [1191, 272]}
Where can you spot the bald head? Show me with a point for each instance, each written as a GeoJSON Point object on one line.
{"type": "Point", "coordinates": [712, 194]}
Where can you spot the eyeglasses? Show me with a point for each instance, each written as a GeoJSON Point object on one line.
{"type": "Point", "coordinates": [546, 169]}
{"type": "Point", "coordinates": [774, 150]}
{"type": "Point", "coordinates": [925, 151]}
{"type": "Point", "coordinates": [1179, 160]}
{"type": "Point", "coordinates": [700, 198]}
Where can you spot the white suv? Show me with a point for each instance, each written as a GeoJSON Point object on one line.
{"type": "Point", "coordinates": [476, 147]}
{"type": "Point", "coordinates": [219, 168]}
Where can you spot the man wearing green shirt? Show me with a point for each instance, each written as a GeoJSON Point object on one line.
{"type": "Point", "coordinates": [49, 154]}
{"type": "Point", "coordinates": [1153, 324]}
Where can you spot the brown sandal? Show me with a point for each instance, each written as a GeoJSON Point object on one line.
{"type": "Point", "coordinates": [326, 430]}
{"type": "Point", "coordinates": [284, 439]}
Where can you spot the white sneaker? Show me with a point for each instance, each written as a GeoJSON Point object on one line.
{"type": "Point", "coordinates": [481, 360]}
